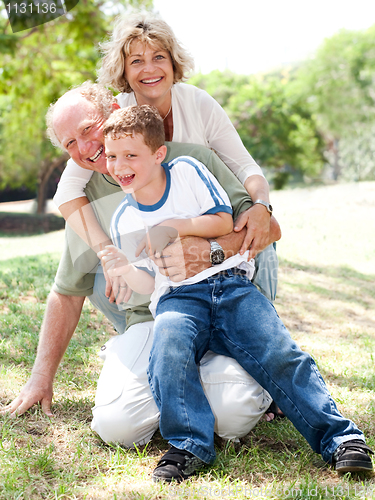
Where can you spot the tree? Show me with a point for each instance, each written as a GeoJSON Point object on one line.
{"type": "Point", "coordinates": [339, 84]}
{"type": "Point", "coordinates": [277, 128]}
{"type": "Point", "coordinates": [220, 85]}
{"type": "Point", "coordinates": [36, 67]}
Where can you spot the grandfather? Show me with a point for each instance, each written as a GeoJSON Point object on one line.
{"type": "Point", "coordinates": [124, 410]}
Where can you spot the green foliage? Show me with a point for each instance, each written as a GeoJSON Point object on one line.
{"type": "Point", "coordinates": [220, 85]}
{"type": "Point", "coordinates": [36, 67]}
{"type": "Point", "coordinates": [339, 84]}
{"type": "Point", "coordinates": [283, 117]}
{"type": "Point", "coordinates": [277, 128]}
{"type": "Point", "coordinates": [357, 153]}
{"type": "Point", "coordinates": [339, 81]}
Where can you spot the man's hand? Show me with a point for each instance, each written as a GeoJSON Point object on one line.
{"type": "Point", "coordinates": [257, 221]}
{"type": "Point", "coordinates": [37, 390]}
{"type": "Point", "coordinates": [190, 255]}
{"type": "Point", "coordinates": [184, 258]}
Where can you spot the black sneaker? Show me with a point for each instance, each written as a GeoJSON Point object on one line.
{"type": "Point", "coordinates": [353, 456]}
{"type": "Point", "coordinates": [176, 465]}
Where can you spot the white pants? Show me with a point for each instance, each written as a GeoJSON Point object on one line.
{"type": "Point", "coordinates": [125, 412]}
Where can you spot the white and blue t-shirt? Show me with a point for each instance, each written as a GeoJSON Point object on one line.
{"type": "Point", "coordinates": [191, 190]}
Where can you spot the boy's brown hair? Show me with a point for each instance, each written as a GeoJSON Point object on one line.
{"type": "Point", "coordinates": [144, 120]}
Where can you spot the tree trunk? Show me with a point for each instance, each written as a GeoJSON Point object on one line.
{"type": "Point", "coordinates": [336, 162]}
{"type": "Point", "coordinates": [47, 171]}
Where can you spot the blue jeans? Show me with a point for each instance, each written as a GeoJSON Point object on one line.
{"type": "Point", "coordinates": [228, 315]}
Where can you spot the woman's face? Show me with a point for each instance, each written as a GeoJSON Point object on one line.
{"type": "Point", "coordinates": [149, 72]}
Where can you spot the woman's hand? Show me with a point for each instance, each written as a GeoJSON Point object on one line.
{"type": "Point", "coordinates": [257, 220]}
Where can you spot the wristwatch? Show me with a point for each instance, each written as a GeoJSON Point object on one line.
{"type": "Point", "coordinates": [266, 204]}
{"type": "Point", "coordinates": [217, 255]}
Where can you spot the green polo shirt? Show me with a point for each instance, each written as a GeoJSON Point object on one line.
{"type": "Point", "coordinates": [78, 264]}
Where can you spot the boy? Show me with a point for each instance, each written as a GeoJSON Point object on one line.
{"type": "Point", "coordinates": [220, 310]}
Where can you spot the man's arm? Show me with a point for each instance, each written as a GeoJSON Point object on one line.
{"type": "Point", "coordinates": [59, 323]}
{"type": "Point", "coordinates": [191, 255]}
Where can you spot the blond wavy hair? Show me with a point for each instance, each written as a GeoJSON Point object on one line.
{"type": "Point", "coordinates": [101, 97]}
{"type": "Point", "coordinates": [146, 28]}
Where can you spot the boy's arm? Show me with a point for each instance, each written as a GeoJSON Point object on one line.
{"type": "Point", "coordinates": [205, 226]}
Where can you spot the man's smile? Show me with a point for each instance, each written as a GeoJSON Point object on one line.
{"type": "Point", "coordinates": [96, 156]}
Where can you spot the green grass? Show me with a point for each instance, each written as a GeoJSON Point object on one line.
{"type": "Point", "coordinates": [328, 307]}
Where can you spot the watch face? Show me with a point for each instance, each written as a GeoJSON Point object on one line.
{"type": "Point", "coordinates": [217, 257]}
{"type": "Point", "coordinates": [270, 208]}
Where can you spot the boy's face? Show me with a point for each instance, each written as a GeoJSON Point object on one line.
{"type": "Point", "coordinates": [133, 165]}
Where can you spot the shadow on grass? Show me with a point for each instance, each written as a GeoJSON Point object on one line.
{"type": "Point", "coordinates": [340, 273]}
{"type": "Point", "coordinates": [19, 224]}
{"type": "Point", "coordinates": [334, 307]}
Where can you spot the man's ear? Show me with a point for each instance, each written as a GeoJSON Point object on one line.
{"type": "Point", "coordinates": [161, 154]}
{"type": "Point", "coordinates": [115, 106]}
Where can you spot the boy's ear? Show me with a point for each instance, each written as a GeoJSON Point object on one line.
{"type": "Point", "coordinates": [115, 106]}
{"type": "Point", "coordinates": [161, 153]}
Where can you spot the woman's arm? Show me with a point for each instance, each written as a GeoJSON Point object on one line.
{"type": "Point", "coordinates": [224, 139]}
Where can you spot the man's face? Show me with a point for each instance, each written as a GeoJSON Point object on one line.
{"type": "Point", "coordinates": [79, 128]}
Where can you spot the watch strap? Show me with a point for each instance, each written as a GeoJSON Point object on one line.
{"type": "Point", "coordinates": [265, 204]}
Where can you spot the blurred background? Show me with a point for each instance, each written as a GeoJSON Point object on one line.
{"type": "Point", "coordinates": [296, 78]}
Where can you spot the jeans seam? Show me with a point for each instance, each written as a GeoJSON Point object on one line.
{"type": "Point", "coordinates": [274, 383]}
{"type": "Point", "coordinates": [184, 399]}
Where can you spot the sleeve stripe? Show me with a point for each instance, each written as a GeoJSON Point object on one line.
{"type": "Point", "coordinates": [115, 234]}
{"type": "Point", "coordinates": [217, 209]}
{"type": "Point", "coordinates": [217, 198]}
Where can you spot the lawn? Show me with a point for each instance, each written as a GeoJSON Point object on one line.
{"type": "Point", "coordinates": [326, 298]}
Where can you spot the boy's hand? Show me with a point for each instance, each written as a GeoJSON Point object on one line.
{"type": "Point", "coordinates": [114, 264]}
{"type": "Point", "coordinates": [114, 261]}
{"type": "Point", "coordinates": [117, 289]}
{"type": "Point", "coordinates": [156, 239]}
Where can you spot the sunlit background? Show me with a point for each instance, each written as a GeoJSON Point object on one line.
{"type": "Point", "coordinates": [248, 36]}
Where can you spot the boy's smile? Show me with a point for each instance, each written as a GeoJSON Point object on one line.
{"type": "Point", "coordinates": [136, 168]}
